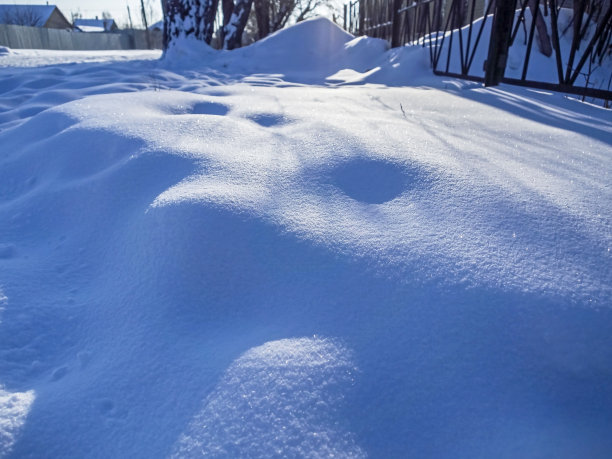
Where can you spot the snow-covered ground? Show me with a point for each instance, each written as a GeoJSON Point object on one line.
{"type": "Point", "coordinates": [299, 251]}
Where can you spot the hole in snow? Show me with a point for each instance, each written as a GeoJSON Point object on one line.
{"type": "Point", "coordinates": [268, 119]}
{"type": "Point", "coordinates": [209, 108]}
{"type": "Point", "coordinates": [373, 181]}
{"type": "Point", "coordinates": [217, 93]}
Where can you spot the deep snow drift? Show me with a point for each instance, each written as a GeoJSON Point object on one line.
{"type": "Point", "coordinates": [264, 254]}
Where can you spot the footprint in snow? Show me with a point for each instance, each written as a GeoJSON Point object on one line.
{"type": "Point", "coordinates": [209, 108]}
{"type": "Point", "coordinates": [375, 181]}
{"type": "Point", "coordinates": [269, 119]}
{"type": "Point", "coordinates": [59, 373]}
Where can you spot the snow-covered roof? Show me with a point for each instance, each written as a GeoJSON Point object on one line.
{"type": "Point", "coordinates": [159, 25]}
{"type": "Point", "coordinates": [10, 14]}
{"type": "Point", "coordinates": [84, 28]}
{"type": "Point", "coordinates": [95, 25]}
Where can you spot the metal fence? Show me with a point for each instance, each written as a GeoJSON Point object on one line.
{"type": "Point", "coordinates": [494, 41]}
{"type": "Point", "coordinates": [405, 21]}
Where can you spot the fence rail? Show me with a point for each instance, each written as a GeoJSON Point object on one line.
{"type": "Point", "coordinates": [493, 41]}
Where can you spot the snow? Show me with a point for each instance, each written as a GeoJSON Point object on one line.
{"type": "Point", "coordinates": [95, 25]}
{"type": "Point", "coordinates": [17, 59]}
{"type": "Point", "coordinates": [299, 251]}
{"type": "Point", "coordinates": [90, 28]}
{"type": "Point", "coordinates": [14, 408]}
{"type": "Point", "coordinates": [330, 50]}
{"type": "Point", "coordinates": [291, 390]}
{"type": "Point", "coordinates": [541, 68]}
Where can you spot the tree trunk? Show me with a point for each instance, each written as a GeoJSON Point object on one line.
{"type": "Point", "coordinates": [233, 30]}
{"type": "Point", "coordinates": [189, 18]}
{"type": "Point", "coordinates": [542, 32]}
{"type": "Point", "coordinates": [208, 11]}
{"type": "Point", "coordinates": [228, 9]}
{"type": "Point", "coordinates": [262, 15]}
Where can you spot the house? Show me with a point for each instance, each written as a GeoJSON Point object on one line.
{"type": "Point", "coordinates": [96, 25]}
{"type": "Point", "coordinates": [159, 26]}
{"type": "Point", "coordinates": [47, 16]}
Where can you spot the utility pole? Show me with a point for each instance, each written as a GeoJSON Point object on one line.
{"type": "Point", "coordinates": [144, 19]}
{"type": "Point", "coordinates": [130, 17]}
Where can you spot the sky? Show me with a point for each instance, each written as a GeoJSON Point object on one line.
{"type": "Point", "coordinates": [116, 8]}
{"type": "Point", "coordinates": [91, 9]}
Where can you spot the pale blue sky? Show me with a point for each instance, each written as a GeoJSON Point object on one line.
{"type": "Point", "coordinates": [91, 9]}
{"type": "Point", "coordinates": [117, 9]}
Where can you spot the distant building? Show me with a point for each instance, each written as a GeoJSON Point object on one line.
{"type": "Point", "coordinates": [96, 25]}
{"type": "Point", "coordinates": [48, 16]}
{"type": "Point", "coordinates": [159, 25]}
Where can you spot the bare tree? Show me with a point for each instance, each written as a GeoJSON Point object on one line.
{"type": "Point", "coordinates": [77, 15]}
{"type": "Point", "coordinates": [273, 15]}
{"type": "Point", "coordinates": [23, 16]}
{"type": "Point", "coordinates": [196, 18]}
{"type": "Point", "coordinates": [307, 8]}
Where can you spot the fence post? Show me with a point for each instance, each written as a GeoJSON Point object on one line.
{"type": "Point", "coordinates": [395, 24]}
{"type": "Point", "coordinates": [501, 31]}
{"type": "Point", "coordinates": [362, 13]}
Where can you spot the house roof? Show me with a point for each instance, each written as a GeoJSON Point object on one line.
{"type": "Point", "coordinates": [95, 25]}
{"type": "Point", "coordinates": [42, 12]}
{"type": "Point", "coordinates": [159, 25]}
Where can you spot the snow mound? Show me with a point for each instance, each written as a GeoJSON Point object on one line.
{"type": "Point", "coordinates": [14, 407]}
{"type": "Point", "coordinates": [311, 46]}
{"type": "Point", "coordinates": [184, 51]}
{"type": "Point", "coordinates": [326, 195]}
{"type": "Point", "coordinates": [278, 399]}
{"type": "Point", "coordinates": [318, 37]}
{"type": "Point", "coordinates": [309, 51]}
{"type": "Point", "coordinates": [158, 224]}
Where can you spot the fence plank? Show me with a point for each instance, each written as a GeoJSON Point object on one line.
{"type": "Point", "coordinates": [22, 37]}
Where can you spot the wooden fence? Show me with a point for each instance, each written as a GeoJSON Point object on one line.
{"type": "Point", "coordinates": [22, 37]}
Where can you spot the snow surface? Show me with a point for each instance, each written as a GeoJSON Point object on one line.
{"type": "Point", "coordinates": [540, 67]}
{"type": "Point", "coordinates": [299, 251]}
{"type": "Point", "coordinates": [14, 408]}
{"type": "Point", "coordinates": [290, 389]}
